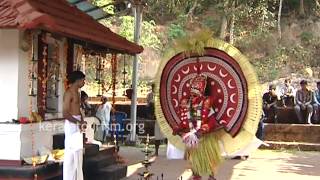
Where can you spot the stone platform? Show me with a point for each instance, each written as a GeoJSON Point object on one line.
{"type": "Point", "coordinates": [292, 136]}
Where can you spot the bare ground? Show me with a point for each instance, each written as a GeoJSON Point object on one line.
{"type": "Point", "coordinates": [262, 164]}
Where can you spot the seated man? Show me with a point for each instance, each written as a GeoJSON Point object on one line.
{"type": "Point", "coordinates": [270, 103]}
{"type": "Point", "coordinates": [303, 102]}
{"type": "Point", "coordinates": [287, 93]}
{"type": "Point", "coordinates": [316, 103]}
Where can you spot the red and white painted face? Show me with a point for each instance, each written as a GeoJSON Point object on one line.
{"type": "Point", "coordinates": [198, 85]}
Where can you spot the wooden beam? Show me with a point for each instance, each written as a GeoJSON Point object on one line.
{"type": "Point", "coordinates": [77, 2]}
{"type": "Point", "coordinates": [70, 56]}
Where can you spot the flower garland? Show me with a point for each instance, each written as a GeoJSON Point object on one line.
{"type": "Point", "coordinates": [43, 78]}
{"type": "Point", "coordinates": [65, 60]}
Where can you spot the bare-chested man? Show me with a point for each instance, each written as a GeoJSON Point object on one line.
{"type": "Point", "coordinates": [74, 124]}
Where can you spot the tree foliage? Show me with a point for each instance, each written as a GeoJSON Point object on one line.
{"type": "Point", "coordinates": [253, 26]}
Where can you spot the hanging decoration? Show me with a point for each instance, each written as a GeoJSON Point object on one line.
{"type": "Point", "coordinates": [44, 77]}
{"type": "Point", "coordinates": [32, 69]}
{"type": "Point", "coordinates": [64, 65]}
{"type": "Point", "coordinates": [32, 94]}
{"type": "Point", "coordinates": [99, 75]}
{"type": "Point", "coordinates": [53, 72]}
{"type": "Point", "coordinates": [114, 65]}
{"type": "Point", "coordinates": [124, 73]}
{"type": "Point", "coordinates": [56, 73]}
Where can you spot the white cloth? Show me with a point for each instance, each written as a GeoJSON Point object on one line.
{"type": "Point", "coordinates": [103, 113]}
{"type": "Point", "coordinates": [287, 90]}
{"type": "Point", "coordinates": [89, 131]}
{"type": "Point", "coordinates": [173, 152]}
{"type": "Point", "coordinates": [190, 139]}
{"type": "Point", "coordinates": [73, 153]}
{"type": "Point", "coordinates": [247, 150]}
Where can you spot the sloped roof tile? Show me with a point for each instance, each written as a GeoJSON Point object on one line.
{"type": "Point", "coordinates": [58, 16]}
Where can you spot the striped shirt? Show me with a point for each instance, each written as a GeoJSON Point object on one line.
{"type": "Point", "coordinates": [303, 97]}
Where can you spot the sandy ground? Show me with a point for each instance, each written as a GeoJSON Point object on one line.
{"type": "Point", "coordinates": [262, 164]}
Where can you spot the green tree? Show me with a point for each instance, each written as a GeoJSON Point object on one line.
{"type": "Point", "coordinates": [149, 35]}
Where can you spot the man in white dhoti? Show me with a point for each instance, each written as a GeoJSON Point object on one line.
{"type": "Point", "coordinates": [103, 113]}
{"type": "Point", "coordinates": [73, 127]}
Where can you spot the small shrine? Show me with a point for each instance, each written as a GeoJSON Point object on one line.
{"type": "Point", "coordinates": [40, 41]}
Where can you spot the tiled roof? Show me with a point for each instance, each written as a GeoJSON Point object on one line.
{"type": "Point", "coordinates": [58, 16]}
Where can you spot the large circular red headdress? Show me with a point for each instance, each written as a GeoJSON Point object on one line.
{"type": "Point", "coordinates": [225, 81]}
{"type": "Point", "coordinates": [231, 84]}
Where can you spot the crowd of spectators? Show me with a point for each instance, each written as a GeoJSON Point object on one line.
{"type": "Point", "coordinates": [304, 101]}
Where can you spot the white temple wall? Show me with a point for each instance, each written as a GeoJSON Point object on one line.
{"type": "Point", "coordinates": [9, 79]}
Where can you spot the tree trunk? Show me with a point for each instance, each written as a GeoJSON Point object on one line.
{"type": "Point", "coordinates": [223, 29]}
{"type": "Point", "coordinates": [279, 19]}
{"type": "Point", "coordinates": [191, 11]}
{"type": "Point", "coordinates": [301, 10]}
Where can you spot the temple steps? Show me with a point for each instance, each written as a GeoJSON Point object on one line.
{"type": "Point", "coordinates": [303, 137]}
{"type": "Point", "coordinates": [98, 163]}
{"type": "Point", "coordinates": [113, 172]}
{"type": "Point", "coordinates": [103, 164]}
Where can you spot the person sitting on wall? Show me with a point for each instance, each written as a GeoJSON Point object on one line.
{"type": "Point", "coordinates": [270, 103]}
{"type": "Point", "coordinates": [287, 93]}
{"type": "Point", "coordinates": [303, 102]}
{"type": "Point", "coordinates": [316, 103]}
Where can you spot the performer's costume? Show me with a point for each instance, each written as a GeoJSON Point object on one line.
{"type": "Point", "coordinates": [210, 96]}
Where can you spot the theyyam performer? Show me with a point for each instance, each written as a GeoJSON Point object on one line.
{"type": "Point", "coordinates": [208, 101]}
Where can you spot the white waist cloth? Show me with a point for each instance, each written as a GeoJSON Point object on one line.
{"type": "Point", "coordinates": [173, 152]}
{"type": "Point", "coordinates": [72, 167]}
